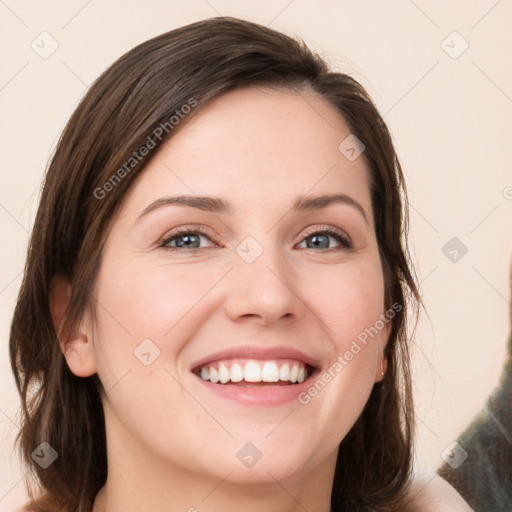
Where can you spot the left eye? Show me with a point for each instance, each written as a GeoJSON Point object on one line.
{"type": "Point", "coordinates": [320, 239]}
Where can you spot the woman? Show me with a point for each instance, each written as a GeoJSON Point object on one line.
{"type": "Point", "coordinates": [214, 303]}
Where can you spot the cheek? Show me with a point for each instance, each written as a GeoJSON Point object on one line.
{"type": "Point", "coordinates": [348, 300]}
{"type": "Point", "coordinates": [136, 303]}
{"type": "Point", "coordinates": [150, 301]}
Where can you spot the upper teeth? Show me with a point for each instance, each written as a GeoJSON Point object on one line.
{"type": "Point", "coordinates": [254, 371]}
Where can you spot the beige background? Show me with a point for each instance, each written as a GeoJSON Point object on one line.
{"type": "Point", "coordinates": [450, 118]}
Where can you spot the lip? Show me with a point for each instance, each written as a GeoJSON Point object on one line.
{"type": "Point", "coordinates": [259, 395]}
{"type": "Point", "coordinates": [266, 395]}
{"type": "Point", "coordinates": [256, 352]}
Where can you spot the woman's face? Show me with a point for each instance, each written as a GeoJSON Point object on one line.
{"type": "Point", "coordinates": [251, 288]}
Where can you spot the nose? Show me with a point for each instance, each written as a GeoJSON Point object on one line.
{"type": "Point", "coordinates": [263, 291]}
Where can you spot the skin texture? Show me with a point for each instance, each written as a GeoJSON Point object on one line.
{"type": "Point", "coordinates": [172, 445]}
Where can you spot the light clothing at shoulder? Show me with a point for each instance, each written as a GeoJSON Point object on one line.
{"type": "Point", "coordinates": [434, 494]}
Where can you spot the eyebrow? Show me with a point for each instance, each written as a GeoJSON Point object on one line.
{"type": "Point", "coordinates": [302, 203]}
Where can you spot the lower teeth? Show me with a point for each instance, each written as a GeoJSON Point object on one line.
{"type": "Point", "coordinates": [261, 383]}
{"type": "Point", "coordinates": [244, 383]}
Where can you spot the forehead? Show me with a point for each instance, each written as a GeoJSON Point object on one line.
{"type": "Point", "coordinates": [257, 145]}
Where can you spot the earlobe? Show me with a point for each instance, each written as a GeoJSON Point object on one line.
{"type": "Point", "coordinates": [80, 356]}
{"type": "Point", "coordinates": [76, 345]}
{"type": "Point", "coordinates": [382, 367]}
{"type": "Point", "coordinates": [383, 362]}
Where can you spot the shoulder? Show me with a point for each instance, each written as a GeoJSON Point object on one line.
{"type": "Point", "coordinates": [434, 494]}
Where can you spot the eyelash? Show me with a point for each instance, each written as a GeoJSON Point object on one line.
{"type": "Point", "coordinates": [344, 241]}
{"type": "Point", "coordinates": [341, 237]}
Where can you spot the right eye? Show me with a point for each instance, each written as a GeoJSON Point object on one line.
{"type": "Point", "coordinates": [185, 239]}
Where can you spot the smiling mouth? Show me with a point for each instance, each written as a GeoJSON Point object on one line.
{"type": "Point", "coordinates": [253, 372]}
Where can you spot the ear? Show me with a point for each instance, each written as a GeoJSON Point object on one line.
{"type": "Point", "coordinates": [382, 362]}
{"type": "Point", "coordinates": [381, 369]}
{"type": "Point", "coordinates": [76, 345]}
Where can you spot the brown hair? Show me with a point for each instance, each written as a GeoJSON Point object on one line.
{"type": "Point", "coordinates": [121, 113]}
